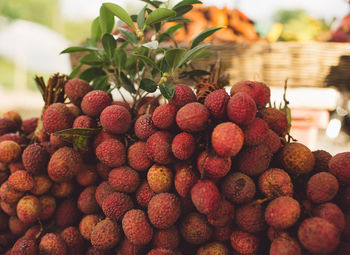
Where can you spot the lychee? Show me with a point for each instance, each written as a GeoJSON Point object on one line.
{"type": "Point", "coordinates": [192, 117]}
{"type": "Point", "coordinates": [84, 121]}
{"type": "Point", "coordinates": [137, 156]}
{"type": "Point", "coordinates": [166, 238]}
{"type": "Point", "coordinates": [183, 145]}
{"type": "Point", "coordinates": [250, 217]}
{"type": "Point", "coordinates": [160, 178]}
{"type": "Point", "coordinates": [185, 178]}
{"type": "Point", "coordinates": [94, 102]}
{"type": "Point", "coordinates": [35, 158]}
{"type": "Point", "coordinates": [124, 179]}
{"type": "Point", "coordinates": [275, 182]}
{"type": "Point", "coordinates": [144, 193]}
{"type": "Point", "coordinates": [216, 102]}
{"type": "Point", "coordinates": [332, 213]}
{"type": "Point", "coordinates": [47, 207]}
{"type": "Point", "coordinates": [339, 165]}
{"type": "Point", "coordinates": [115, 205]}
{"type": "Point", "coordinates": [88, 176]}
{"type": "Point", "coordinates": [57, 117]}
{"type": "Point", "coordinates": [115, 119]}
{"type": "Point", "coordinates": [213, 248]}
{"type": "Point", "coordinates": [164, 115]}
{"type": "Point", "coordinates": [8, 194]}
{"type": "Point", "coordinates": [86, 225]}
{"type": "Point", "coordinates": [244, 242]}
{"type": "Point", "coordinates": [111, 152]}
{"type": "Point", "coordinates": [10, 151]}
{"type": "Point", "coordinates": [275, 119]}
{"type": "Point", "coordinates": [238, 188]}
{"type": "Point", "coordinates": [7, 126]}
{"type": "Point", "coordinates": [105, 234]}
{"type": "Point", "coordinates": [52, 244]}
{"type": "Point", "coordinates": [158, 147]}
{"type": "Point", "coordinates": [223, 215]}
{"type": "Point", "coordinates": [183, 95]}
{"type": "Point", "coordinates": [76, 89]}
{"type": "Point", "coordinates": [87, 202]}
{"type": "Point", "coordinates": [136, 227]}
{"type": "Point", "coordinates": [21, 181]}
{"type": "Point", "coordinates": [272, 141]}
{"type": "Point", "coordinates": [322, 187]}
{"type": "Point", "coordinates": [195, 229]}
{"type": "Point", "coordinates": [254, 160]}
{"type": "Point", "coordinates": [254, 89]}
{"type": "Point", "coordinates": [241, 109]}
{"type": "Point", "coordinates": [29, 125]}
{"type": "Point", "coordinates": [322, 159]}
{"type": "Point", "coordinates": [73, 239]}
{"type": "Point", "coordinates": [28, 209]}
{"type": "Point", "coordinates": [144, 127]}
{"type": "Point", "coordinates": [255, 132]}
{"type": "Point", "coordinates": [103, 190]}
{"type": "Point", "coordinates": [213, 166]}
{"type": "Point", "coordinates": [24, 246]}
{"type": "Point", "coordinates": [282, 245]}
{"type": "Point", "coordinates": [20, 139]}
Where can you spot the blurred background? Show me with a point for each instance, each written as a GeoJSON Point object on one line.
{"type": "Point", "coordinates": [304, 41]}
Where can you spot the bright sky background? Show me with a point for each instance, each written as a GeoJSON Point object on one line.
{"type": "Point", "coordinates": [258, 10]}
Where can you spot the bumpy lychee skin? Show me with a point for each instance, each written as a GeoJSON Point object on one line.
{"type": "Point", "coordinates": [158, 147]}
{"type": "Point", "coordinates": [144, 194]}
{"type": "Point", "coordinates": [161, 251]}
{"type": "Point", "coordinates": [282, 245]}
{"type": "Point", "coordinates": [137, 156]}
{"type": "Point", "coordinates": [282, 212]}
{"type": "Point", "coordinates": [7, 126]}
{"type": "Point", "coordinates": [192, 117]}
{"type": "Point", "coordinates": [20, 139]}
{"type": "Point", "coordinates": [241, 109]}
{"type": "Point", "coordinates": [223, 215]}
{"type": "Point", "coordinates": [28, 209]}
{"type": "Point", "coordinates": [238, 188]}
{"type": "Point", "coordinates": [250, 217]}
{"type": "Point", "coordinates": [322, 159]}
{"type": "Point", "coordinates": [29, 125]}
{"type": "Point", "coordinates": [116, 205]}
{"type": "Point", "coordinates": [144, 127]}
{"type": "Point", "coordinates": [227, 139]}
{"type": "Point", "coordinates": [244, 242]}
{"type": "Point", "coordinates": [322, 187]}
{"type": "Point", "coordinates": [275, 182]}
{"type": "Point", "coordinates": [265, 98]}
{"type": "Point", "coordinates": [21, 180]}
{"type": "Point", "coordinates": [195, 229]}
{"type": "Point", "coordinates": [64, 164]}
{"type": "Point", "coordinates": [332, 213]}
{"type": "Point", "coordinates": [216, 102]}
{"type": "Point", "coordinates": [124, 179]}
{"type": "Point", "coordinates": [105, 234]}
{"type": "Point", "coordinates": [102, 136]}
{"type": "Point", "coordinates": [297, 159]}
{"type": "Point", "coordinates": [255, 132]}
{"type": "Point", "coordinates": [339, 165]}
{"type": "Point", "coordinates": [67, 213]}
{"type": "Point", "coordinates": [24, 246]}
{"type": "Point", "coordinates": [76, 89]}
{"type": "Point", "coordinates": [166, 238]}
{"type": "Point", "coordinates": [47, 207]}
{"type": "Point", "coordinates": [213, 248]}
{"type": "Point", "coordinates": [10, 151]}
{"type": "Point", "coordinates": [272, 141]}
{"type": "Point", "coordinates": [15, 116]}
{"type": "Point", "coordinates": [205, 196]}
{"type": "Point", "coordinates": [15, 166]}
{"type": "Point", "coordinates": [136, 227]}
{"type": "Point", "coordinates": [185, 178]}
{"type": "Point", "coordinates": [163, 210]}
{"type": "Point", "coordinates": [147, 104]}
{"type": "Point", "coordinates": [115, 119]}
{"type": "Point", "coordinates": [213, 166]}
{"type": "Point", "coordinates": [254, 89]}
{"type": "Point", "coordinates": [183, 95]}
{"type": "Point", "coordinates": [111, 152]}
{"type": "Point", "coordinates": [84, 121]}
{"type": "Point", "coordinates": [164, 115]}
{"type": "Point", "coordinates": [73, 239]}
{"type": "Point", "coordinates": [88, 176]}
{"type": "Point", "coordinates": [87, 224]}
{"type": "Point", "coordinates": [275, 119]}
{"type": "Point", "coordinates": [57, 117]}
{"type": "Point", "coordinates": [94, 102]}
{"type": "Point", "coordinates": [318, 235]}
{"type": "Point", "coordinates": [52, 244]}
{"type": "Point", "coordinates": [122, 103]}
{"type": "Point", "coordinates": [104, 189]}
{"type": "Point", "coordinates": [183, 145]}
{"type": "Point", "coordinates": [160, 178]}
{"type": "Point", "coordinates": [254, 160]}
{"type": "Point", "coordinates": [87, 202]}
{"type": "Point", "coordinates": [8, 194]}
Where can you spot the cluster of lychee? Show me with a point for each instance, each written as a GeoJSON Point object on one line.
{"type": "Point", "coordinates": [188, 177]}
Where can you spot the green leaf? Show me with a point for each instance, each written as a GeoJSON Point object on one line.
{"type": "Point", "coordinates": [106, 20]}
{"type": "Point", "coordinates": [186, 2]}
{"type": "Point", "coordinates": [91, 59]}
{"type": "Point", "coordinates": [167, 90]}
{"type": "Point", "coordinates": [204, 53]}
{"type": "Point", "coordinates": [204, 34]}
{"type": "Point", "coordinates": [127, 83]}
{"type": "Point", "coordinates": [109, 44]}
{"type": "Point", "coordinates": [173, 57]}
{"type": "Point", "coordinates": [120, 13]}
{"type": "Point", "coordinates": [91, 42]}
{"type": "Point", "coordinates": [147, 60]}
{"type": "Point", "coordinates": [179, 19]}
{"type": "Point", "coordinates": [141, 18]}
{"type": "Point", "coordinates": [193, 73]}
{"type": "Point", "coordinates": [101, 83]}
{"type": "Point", "coordinates": [155, 4]}
{"type": "Point", "coordinates": [75, 71]}
{"type": "Point", "coordinates": [91, 73]}
{"type": "Point", "coordinates": [190, 54]}
{"type": "Point", "coordinates": [129, 35]}
{"type": "Point", "coordinates": [96, 29]}
{"type": "Point", "coordinates": [133, 17]}
{"type": "Point", "coordinates": [119, 59]}
{"type": "Point", "coordinates": [79, 49]}
{"type": "Point", "coordinates": [181, 10]}
{"type": "Point", "coordinates": [81, 138]}
{"type": "Point", "coordinates": [158, 15]}
{"type": "Point", "coordinates": [153, 45]}
{"type": "Point", "coordinates": [163, 66]}
{"type": "Point", "coordinates": [148, 85]}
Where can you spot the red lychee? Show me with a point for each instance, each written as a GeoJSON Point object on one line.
{"type": "Point", "coordinates": [250, 217]}
{"type": "Point", "coordinates": [21, 180]}
{"type": "Point", "coordinates": [244, 242]}
{"type": "Point", "coordinates": [275, 119]}
{"type": "Point", "coordinates": [213, 166]}
{"type": "Point", "coordinates": [192, 117]}
{"type": "Point", "coordinates": [144, 127]}
{"type": "Point", "coordinates": [238, 188]}
{"type": "Point", "coordinates": [195, 229]}
{"type": "Point", "coordinates": [94, 102]}
{"type": "Point", "coordinates": [322, 187]}
{"type": "Point", "coordinates": [136, 227]}
{"type": "Point", "coordinates": [255, 132]}
{"type": "Point", "coordinates": [216, 102]}
{"type": "Point", "coordinates": [332, 213]}
{"type": "Point", "coordinates": [183, 145]}
{"type": "Point", "coordinates": [115, 119]}
{"type": "Point", "coordinates": [116, 205]}
{"type": "Point", "coordinates": [158, 147]}
{"type": "Point", "coordinates": [111, 152]}
{"type": "Point", "coordinates": [124, 179]}
{"type": "Point", "coordinates": [275, 182]}
{"type": "Point", "coordinates": [137, 156]}
{"type": "Point", "coordinates": [183, 95]}
{"type": "Point", "coordinates": [241, 109]}
{"type": "Point", "coordinates": [339, 165]}
{"type": "Point", "coordinates": [223, 215]}
{"type": "Point", "coordinates": [185, 178]}
{"type": "Point", "coordinates": [163, 116]}
{"type": "Point", "coordinates": [84, 121]}
{"type": "Point", "coordinates": [105, 234]}
{"type": "Point", "coordinates": [205, 196]}
{"type": "Point", "coordinates": [76, 89]}
{"type": "Point", "coordinates": [57, 117]}
{"type": "Point", "coordinates": [254, 160]}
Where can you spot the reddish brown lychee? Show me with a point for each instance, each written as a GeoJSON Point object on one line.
{"type": "Point", "coordinates": [29, 125]}
{"type": "Point", "coordinates": [272, 141]}
{"type": "Point", "coordinates": [122, 103]}
{"type": "Point", "coordinates": [87, 202]}
{"type": "Point", "coordinates": [104, 189]}
{"type": "Point", "coordinates": [216, 102]}
{"type": "Point", "coordinates": [67, 213]}
{"type": "Point", "coordinates": [24, 246]}
{"type": "Point", "coordinates": [227, 139]}
{"type": "Point", "coordinates": [103, 170]}
{"type": "Point", "coordinates": [213, 166]}
{"type": "Point", "coordinates": [166, 238]}
{"type": "Point", "coordinates": [146, 105]}
{"type": "Point", "coordinates": [205, 196]}
{"type": "Point", "coordinates": [223, 215]}
{"type": "Point", "coordinates": [28, 209]}
{"type": "Point", "coordinates": [192, 117]}
{"type": "Point", "coordinates": [241, 108]}
{"type": "Point", "coordinates": [52, 244]}
{"type": "Point", "coordinates": [238, 188]}
{"type": "Point", "coordinates": [273, 233]}
{"type": "Point", "coordinates": [137, 156]}
{"type": "Point", "coordinates": [222, 233]}
{"type": "Point", "coordinates": [64, 164]}
{"type": "Point", "coordinates": [57, 117]}
{"type": "Point", "coordinates": [183, 145]}
{"type": "Point", "coordinates": [264, 99]}
{"type": "Point", "coordinates": [115, 205]}
{"type": "Point", "coordinates": [115, 119]}
{"type": "Point", "coordinates": [47, 207]}
{"type": "Point", "coordinates": [76, 89]}
{"type": "Point", "coordinates": [144, 194]}
{"type": "Point", "coordinates": [318, 235]}
{"type": "Point", "coordinates": [136, 227]}
{"type": "Point", "coordinates": [254, 89]}
{"type": "Point", "coordinates": [297, 159]}
{"type": "Point", "coordinates": [3, 221]}
{"type": "Point", "coordinates": [35, 158]}
{"type": "Point", "coordinates": [183, 95]}
{"type": "Point", "coordinates": [255, 132]}
{"type": "Point", "coordinates": [15, 166]}
{"type": "Point", "coordinates": [195, 229]}
{"type": "Point", "coordinates": [15, 116]}
{"type": "Point", "coordinates": [163, 210]}
{"type": "Point", "coordinates": [128, 248]}
{"type": "Point", "coordinates": [283, 245]}
{"type": "Point", "coordinates": [339, 165]}
{"type": "Point", "coordinates": [9, 209]}
{"type": "Point", "coordinates": [275, 182]}
{"type": "Point", "coordinates": [322, 159]}
{"type": "Point", "coordinates": [20, 139]}
{"type": "Point", "coordinates": [7, 126]}
{"type": "Point", "coordinates": [163, 116]}
{"type": "Point", "coordinates": [88, 176]}
{"type": "Point", "coordinates": [160, 178]}
{"type": "Point", "coordinates": [158, 147]}
{"type": "Point", "coordinates": [332, 213]}
{"type": "Point", "coordinates": [275, 119]}
{"type": "Point", "coordinates": [322, 187]}
{"type": "Point", "coordinates": [75, 110]}
{"type": "Point", "coordinates": [84, 121]}
{"type": "Point", "coordinates": [161, 251]}
{"type": "Point", "coordinates": [185, 178]}
{"type": "Point", "coordinates": [144, 127]}
{"type": "Point", "coordinates": [86, 225]}
{"type": "Point", "coordinates": [105, 234]}
{"type": "Point", "coordinates": [8, 194]}
{"type": "Point", "coordinates": [94, 102]}
{"type": "Point", "coordinates": [254, 160]}
{"type": "Point", "coordinates": [16, 226]}
{"type": "Point", "coordinates": [124, 179]}
{"type": "Point", "coordinates": [102, 136]}
{"type": "Point", "coordinates": [111, 152]}
{"type": "Point", "coordinates": [73, 239]}
{"type": "Point", "coordinates": [250, 217]}
{"type": "Point", "coordinates": [282, 212]}
{"type": "Point", "coordinates": [213, 248]}
{"type": "Point", "coordinates": [21, 181]}
{"type": "Point", "coordinates": [244, 242]}
{"type": "Point", "coordinates": [10, 151]}
{"type": "Point", "coordinates": [63, 189]}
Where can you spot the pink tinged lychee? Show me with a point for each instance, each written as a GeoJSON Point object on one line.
{"type": "Point", "coordinates": [183, 145]}
{"type": "Point", "coordinates": [205, 196]}
{"type": "Point", "coordinates": [192, 117]}
{"type": "Point", "coordinates": [241, 109]}
{"type": "Point", "coordinates": [216, 102]}
{"type": "Point", "coordinates": [115, 119]}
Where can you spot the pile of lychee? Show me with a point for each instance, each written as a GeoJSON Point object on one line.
{"type": "Point", "coordinates": [211, 177]}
